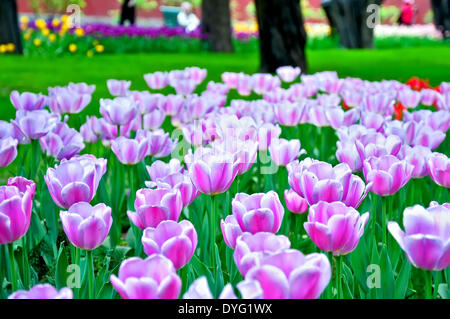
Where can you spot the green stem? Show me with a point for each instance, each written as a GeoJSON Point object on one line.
{"type": "Point", "coordinates": [428, 282]}
{"type": "Point", "coordinates": [329, 288]}
{"type": "Point", "coordinates": [26, 270]}
{"type": "Point", "coordinates": [12, 266]}
{"type": "Point", "coordinates": [339, 289]}
{"type": "Point", "coordinates": [384, 217]}
{"type": "Point", "coordinates": [90, 264]}
{"type": "Point", "coordinates": [212, 226]}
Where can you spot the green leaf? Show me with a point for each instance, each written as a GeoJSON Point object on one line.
{"type": "Point", "coordinates": [61, 268]}
{"type": "Point", "coordinates": [401, 284]}
{"type": "Point", "coordinates": [387, 275]}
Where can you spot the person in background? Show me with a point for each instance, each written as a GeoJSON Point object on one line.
{"type": "Point", "coordinates": [408, 12]}
{"type": "Point", "coordinates": [186, 18]}
{"type": "Point", "coordinates": [128, 12]}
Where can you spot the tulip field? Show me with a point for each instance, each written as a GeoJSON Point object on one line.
{"type": "Point", "coordinates": [254, 186]}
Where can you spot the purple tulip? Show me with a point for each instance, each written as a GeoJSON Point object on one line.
{"type": "Point", "coordinates": [129, 151]}
{"type": "Point", "coordinates": [119, 111]}
{"type": "Point", "coordinates": [426, 237]}
{"type": "Point", "coordinates": [244, 84]}
{"type": "Point", "coordinates": [81, 88]}
{"type": "Point", "coordinates": [378, 103]}
{"type": "Point", "coordinates": [266, 133]}
{"type": "Point", "coordinates": [35, 124]}
{"type": "Point", "coordinates": [373, 120]}
{"type": "Point", "coordinates": [28, 101]}
{"type": "Point", "coordinates": [159, 170]}
{"type": "Point", "coordinates": [118, 88]}
{"type": "Point", "coordinates": [320, 181]}
{"type": "Point", "coordinates": [409, 98]}
{"type": "Point", "coordinates": [427, 136]}
{"type": "Point", "coordinates": [284, 151]}
{"type": "Point", "coordinates": [176, 241]}
{"type": "Point", "coordinates": [258, 212]}
{"type": "Point", "coordinates": [15, 211]}
{"type": "Point", "coordinates": [43, 291]}
{"type": "Point", "coordinates": [151, 278]}
{"type": "Point", "coordinates": [287, 275]}
{"type": "Point", "coordinates": [75, 180]}
{"type": "Point", "coordinates": [288, 73]}
{"type": "Point", "coordinates": [417, 156]}
{"type": "Point", "coordinates": [154, 206]}
{"type": "Point", "coordinates": [211, 171]}
{"type": "Point", "coordinates": [62, 142]}
{"type": "Point", "coordinates": [153, 120]}
{"type": "Point", "coordinates": [230, 230]}
{"type": "Point", "coordinates": [159, 143]}
{"type": "Point", "coordinates": [290, 114]}
{"type": "Point", "coordinates": [199, 289]}
{"type": "Point", "coordinates": [439, 169]}
{"type": "Point", "coordinates": [294, 202]}
{"type": "Point", "coordinates": [86, 226]}
{"type": "Point", "coordinates": [250, 249]}
{"type": "Point", "coordinates": [69, 102]}
{"type": "Point", "coordinates": [157, 80]}
{"type": "Point", "coordinates": [387, 174]}
{"type": "Point", "coordinates": [23, 184]}
{"type": "Point", "coordinates": [172, 104]}
{"type": "Point", "coordinates": [264, 82]}
{"type": "Point", "coordinates": [8, 151]}
{"type": "Point", "coordinates": [428, 97]}
{"type": "Point", "coordinates": [338, 118]}
{"type": "Point", "coordinates": [375, 144]}
{"type": "Point", "coordinates": [231, 79]}
{"type": "Point", "coordinates": [335, 227]}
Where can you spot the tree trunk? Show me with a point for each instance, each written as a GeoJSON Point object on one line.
{"type": "Point", "coordinates": [282, 36]}
{"type": "Point", "coordinates": [9, 25]}
{"type": "Point", "coordinates": [441, 11]}
{"type": "Point", "coordinates": [352, 20]}
{"type": "Point", "coordinates": [216, 24]}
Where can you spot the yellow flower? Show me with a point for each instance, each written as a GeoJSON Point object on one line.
{"type": "Point", "coordinates": [52, 37]}
{"type": "Point", "coordinates": [56, 22]}
{"type": "Point", "coordinates": [2, 48]}
{"type": "Point", "coordinates": [27, 36]}
{"type": "Point", "coordinates": [99, 48]}
{"type": "Point", "coordinates": [95, 42]}
{"type": "Point", "coordinates": [41, 24]}
{"type": "Point", "coordinates": [24, 19]}
{"type": "Point", "coordinates": [73, 48]}
{"type": "Point", "coordinates": [23, 26]}
{"type": "Point", "coordinates": [90, 54]}
{"type": "Point", "coordinates": [45, 32]}
{"type": "Point", "coordinates": [79, 32]}
{"type": "Point", "coordinates": [37, 42]}
{"type": "Point", "coordinates": [10, 47]}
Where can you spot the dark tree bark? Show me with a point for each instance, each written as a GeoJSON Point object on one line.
{"type": "Point", "coordinates": [350, 18]}
{"type": "Point", "coordinates": [9, 24]}
{"type": "Point", "coordinates": [216, 24]}
{"type": "Point", "coordinates": [441, 11]}
{"type": "Point", "coordinates": [282, 36]}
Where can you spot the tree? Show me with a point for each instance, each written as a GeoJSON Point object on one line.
{"type": "Point", "coordinates": [353, 20]}
{"type": "Point", "coordinates": [9, 25]}
{"type": "Point", "coordinates": [282, 36]}
{"type": "Point", "coordinates": [216, 24]}
{"type": "Point", "coordinates": [441, 12]}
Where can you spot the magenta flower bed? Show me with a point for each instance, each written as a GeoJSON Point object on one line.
{"type": "Point", "coordinates": [324, 188]}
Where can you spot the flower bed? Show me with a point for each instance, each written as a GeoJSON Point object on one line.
{"type": "Point", "coordinates": [297, 191]}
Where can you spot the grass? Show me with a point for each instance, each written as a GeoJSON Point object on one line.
{"type": "Point", "coordinates": [36, 74]}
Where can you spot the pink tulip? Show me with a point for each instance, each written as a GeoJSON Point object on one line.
{"type": "Point", "coordinates": [409, 98]}
{"type": "Point", "coordinates": [417, 156]}
{"type": "Point", "coordinates": [176, 241]}
{"type": "Point", "coordinates": [154, 206]}
{"type": "Point", "coordinates": [230, 79]}
{"type": "Point", "coordinates": [290, 114]}
{"type": "Point", "coordinates": [244, 84]}
{"type": "Point", "coordinates": [157, 80]}
{"type": "Point", "coordinates": [8, 151]}
{"type": "Point", "coordinates": [284, 151]}
{"type": "Point", "coordinates": [151, 278]}
{"type": "Point", "coordinates": [81, 88]}
{"type": "Point", "coordinates": [75, 180]}
{"type": "Point", "coordinates": [335, 227]}
{"type": "Point", "coordinates": [15, 211]}
{"type": "Point", "coordinates": [294, 202]}
{"type": "Point", "coordinates": [153, 120]}
{"type": "Point", "coordinates": [287, 275]}
{"type": "Point", "coordinates": [117, 87]}
{"type": "Point", "coordinates": [172, 104]}
{"type": "Point", "coordinates": [288, 73]}
{"type": "Point", "coordinates": [264, 82]}
{"type": "Point", "coordinates": [258, 212]}
{"type": "Point", "coordinates": [428, 97]}
{"type": "Point", "coordinates": [23, 184]}
{"type": "Point", "coordinates": [34, 124]}
{"type": "Point", "coordinates": [69, 102]}
{"type": "Point", "coordinates": [42, 291]}
{"type": "Point", "coordinates": [87, 226]}
{"type": "Point", "coordinates": [338, 118]}
{"type": "Point", "coordinates": [230, 230]}
{"type": "Point", "coordinates": [404, 130]}
{"type": "Point", "coordinates": [62, 142]}
{"type": "Point", "coordinates": [244, 152]}
{"type": "Point", "coordinates": [250, 249]}
{"type": "Point", "coordinates": [426, 236]}
{"type": "Point", "coordinates": [319, 181]}
{"type": "Point", "coordinates": [387, 174]}
{"type": "Point", "coordinates": [129, 151]}
{"type": "Point", "coordinates": [28, 101]}
{"type": "Point", "coordinates": [211, 172]}
{"type": "Point", "coordinates": [373, 120]}
{"type": "Point", "coordinates": [119, 111]}
{"type": "Point", "coordinates": [159, 143]}
{"type": "Point", "coordinates": [375, 144]}
{"type": "Point", "coordinates": [427, 136]}
{"type": "Point", "coordinates": [199, 289]}
{"type": "Point", "coordinates": [159, 170]}
{"type": "Point", "coordinates": [439, 169]}
{"type": "Point", "coordinates": [266, 133]}
{"type": "Point", "coordinates": [378, 103]}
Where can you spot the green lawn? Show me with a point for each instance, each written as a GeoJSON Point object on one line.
{"type": "Point", "coordinates": [37, 73]}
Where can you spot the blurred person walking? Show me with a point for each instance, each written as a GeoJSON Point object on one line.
{"type": "Point", "coordinates": [186, 18]}
{"type": "Point", "coordinates": [128, 12]}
